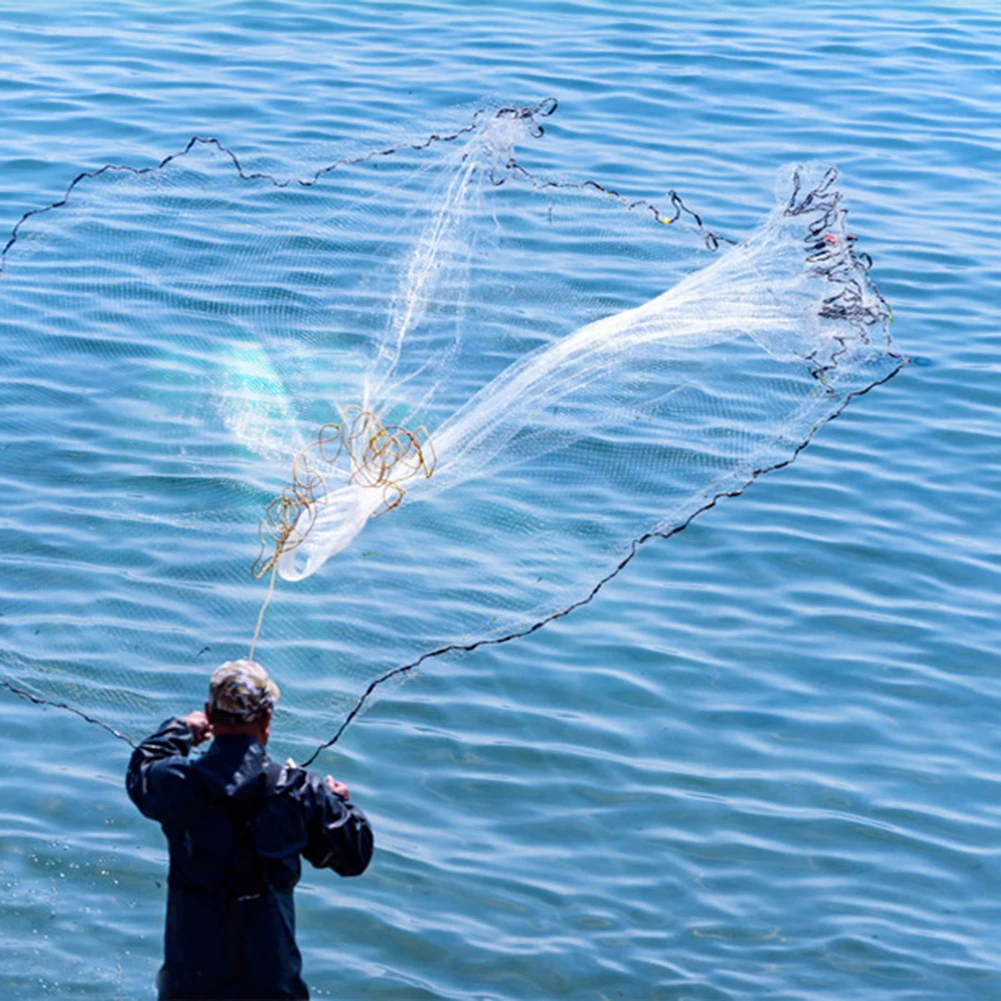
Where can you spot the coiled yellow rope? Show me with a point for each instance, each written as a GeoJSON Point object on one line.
{"type": "Point", "coordinates": [381, 457]}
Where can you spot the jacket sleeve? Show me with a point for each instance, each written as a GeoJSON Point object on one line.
{"type": "Point", "coordinates": [173, 740]}
{"type": "Point", "coordinates": [338, 834]}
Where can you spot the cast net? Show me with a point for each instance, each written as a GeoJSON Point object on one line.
{"type": "Point", "coordinates": [422, 399]}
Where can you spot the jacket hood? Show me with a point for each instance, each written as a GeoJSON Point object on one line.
{"type": "Point", "coordinates": [233, 768]}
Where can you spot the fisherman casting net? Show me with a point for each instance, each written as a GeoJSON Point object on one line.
{"type": "Point", "coordinates": [423, 399]}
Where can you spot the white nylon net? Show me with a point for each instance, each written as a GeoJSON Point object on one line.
{"type": "Point", "coordinates": [519, 379]}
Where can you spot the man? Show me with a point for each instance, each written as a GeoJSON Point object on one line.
{"type": "Point", "coordinates": [236, 825]}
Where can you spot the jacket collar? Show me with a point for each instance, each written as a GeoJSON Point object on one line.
{"type": "Point", "coordinates": [233, 765]}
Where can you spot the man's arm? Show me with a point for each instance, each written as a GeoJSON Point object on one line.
{"type": "Point", "coordinates": [175, 738]}
{"type": "Point", "coordinates": [338, 834]}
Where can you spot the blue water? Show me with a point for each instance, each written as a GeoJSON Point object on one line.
{"type": "Point", "coordinates": [762, 763]}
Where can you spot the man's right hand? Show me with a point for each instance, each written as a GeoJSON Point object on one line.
{"type": "Point", "coordinates": [337, 788]}
{"type": "Point", "coordinates": [201, 728]}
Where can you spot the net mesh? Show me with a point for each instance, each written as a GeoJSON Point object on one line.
{"type": "Point", "coordinates": [438, 398]}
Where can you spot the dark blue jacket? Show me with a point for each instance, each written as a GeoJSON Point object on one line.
{"type": "Point", "coordinates": [236, 825]}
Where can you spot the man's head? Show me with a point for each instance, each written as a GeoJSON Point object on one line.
{"type": "Point", "coordinates": [241, 697]}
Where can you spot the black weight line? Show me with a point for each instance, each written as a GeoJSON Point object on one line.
{"type": "Point", "coordinates": [37, 700]}
{"type": "Point", "coordinates": [830, 256]}
{"type": "Point", "coordinates": [543, 109]}
{"type": "Point", "coordinates": [626, 560]}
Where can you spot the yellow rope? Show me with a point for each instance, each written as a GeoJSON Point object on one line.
{"type": "Point", "coordinates": [381, 457]}
{"type": "Point", "coordinates": [264, 608]}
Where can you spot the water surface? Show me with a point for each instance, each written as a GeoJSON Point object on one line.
{"type": "Point", "coordinates": [763, 762]}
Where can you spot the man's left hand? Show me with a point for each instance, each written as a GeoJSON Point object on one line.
{"type": "Point", "coordinates": [337, 788]}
